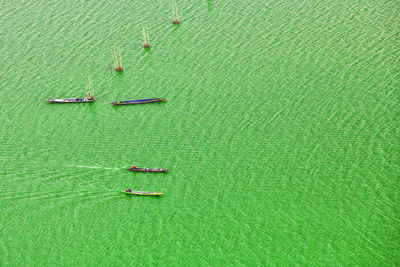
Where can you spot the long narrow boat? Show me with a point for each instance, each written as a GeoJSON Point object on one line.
{"type": "Point", "coordinates": [135, 102]}
{"type": "Point", "coordinates": [70, 100]}
{"type": "Point", "coordinates": [88, 98]}
{"type": "Point", "coordinates": [142, 193]}
{"type": "Point", "coordinates": [134, 169]}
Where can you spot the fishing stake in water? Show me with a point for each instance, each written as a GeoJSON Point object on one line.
{"type": "Point", "coordinates": [176, 15]}
{"type": "Point", "coordinates": [146, 37]}
{"type": "Point", "coordinates": [117, 60]}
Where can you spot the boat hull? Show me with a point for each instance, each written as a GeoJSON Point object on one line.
{"type": "Point", "coordinates": [147, 170]}
{"type": "Point", "coordinates": [141, 193]}
{"type": "Point", "coordinates": [66, 101]}
{"type": "Point", "coordinates": [136, 102]}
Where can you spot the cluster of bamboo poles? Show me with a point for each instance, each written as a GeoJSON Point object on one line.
{"type": "Point", "coordinates": [117, 54]}
{"type": "Point", "coordinates": [117, 60]}
{"type": "Point", "coordinates": [175, 21]}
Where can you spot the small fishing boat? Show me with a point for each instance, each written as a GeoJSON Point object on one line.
{"type": "Point", "coordinates": [141, 193]}
{"type": "Point", "coordinates": [88, 98]}
{"type": "Point", "coordinates": [141, 101]}
{"type": "Point", "coordinates": [176, 15]}
{"type": "Point", "coordinates": [70, 100]}
{"type": "Point", "coordinates": [135, 169]}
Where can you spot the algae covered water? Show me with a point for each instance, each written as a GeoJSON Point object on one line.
{"type": "Point", "coordinates": [280, 133]}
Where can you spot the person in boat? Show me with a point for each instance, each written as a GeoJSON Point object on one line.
{"type": "Point", "coordinates": [133, 167]}
{"type": "Point", "coordinates": [128, 190]}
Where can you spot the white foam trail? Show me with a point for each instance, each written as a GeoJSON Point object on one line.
{"type": "Point", "coordinates": [96, 167]}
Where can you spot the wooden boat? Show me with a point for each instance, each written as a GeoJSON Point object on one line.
{"type": "Point", "coordinates": [141, 193]}
{"type": "Point", "coordinates": [88, 98]}
{"type": "Point", "coordinates": [135, 102]}
{"type": "Point", "coordinates": [134, 169]}
{"type": "Point", "coordinates": [70, 100]}
{"type": "Point", "coordinates": [176, 15]}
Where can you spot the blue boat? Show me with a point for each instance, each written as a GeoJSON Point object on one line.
{"type": "Point", "coordinates": [135, 102]}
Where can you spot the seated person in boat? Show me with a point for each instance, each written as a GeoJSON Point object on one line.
{"type": "Point", "coordinates": [128, 190]}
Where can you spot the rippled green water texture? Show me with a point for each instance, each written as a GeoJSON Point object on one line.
{"type": "Point", "coordinates": [280, 133]}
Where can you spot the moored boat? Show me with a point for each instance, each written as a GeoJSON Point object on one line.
{"type": "Point", "coordinates": [70, 100]}
{"type": "Point", "coordinates": [142, 193]}
{"type": "Point", "coordinates": [135, 169]}
{"type": "Point", "coordinates": [88, 98]}
{"type": "Point", "coordinates": [140, 101]}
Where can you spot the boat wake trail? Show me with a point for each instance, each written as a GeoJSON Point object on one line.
{"type": "Point", "coordinates": [59, 194]}
{"type": "Point", "coordinates": [96, 167]}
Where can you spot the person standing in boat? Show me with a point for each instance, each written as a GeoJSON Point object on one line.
{"type": "Point", "coordinates": [90, 97]}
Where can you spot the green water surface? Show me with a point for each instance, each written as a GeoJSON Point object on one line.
{"type": "Point", "coordinates": [280, 133]}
